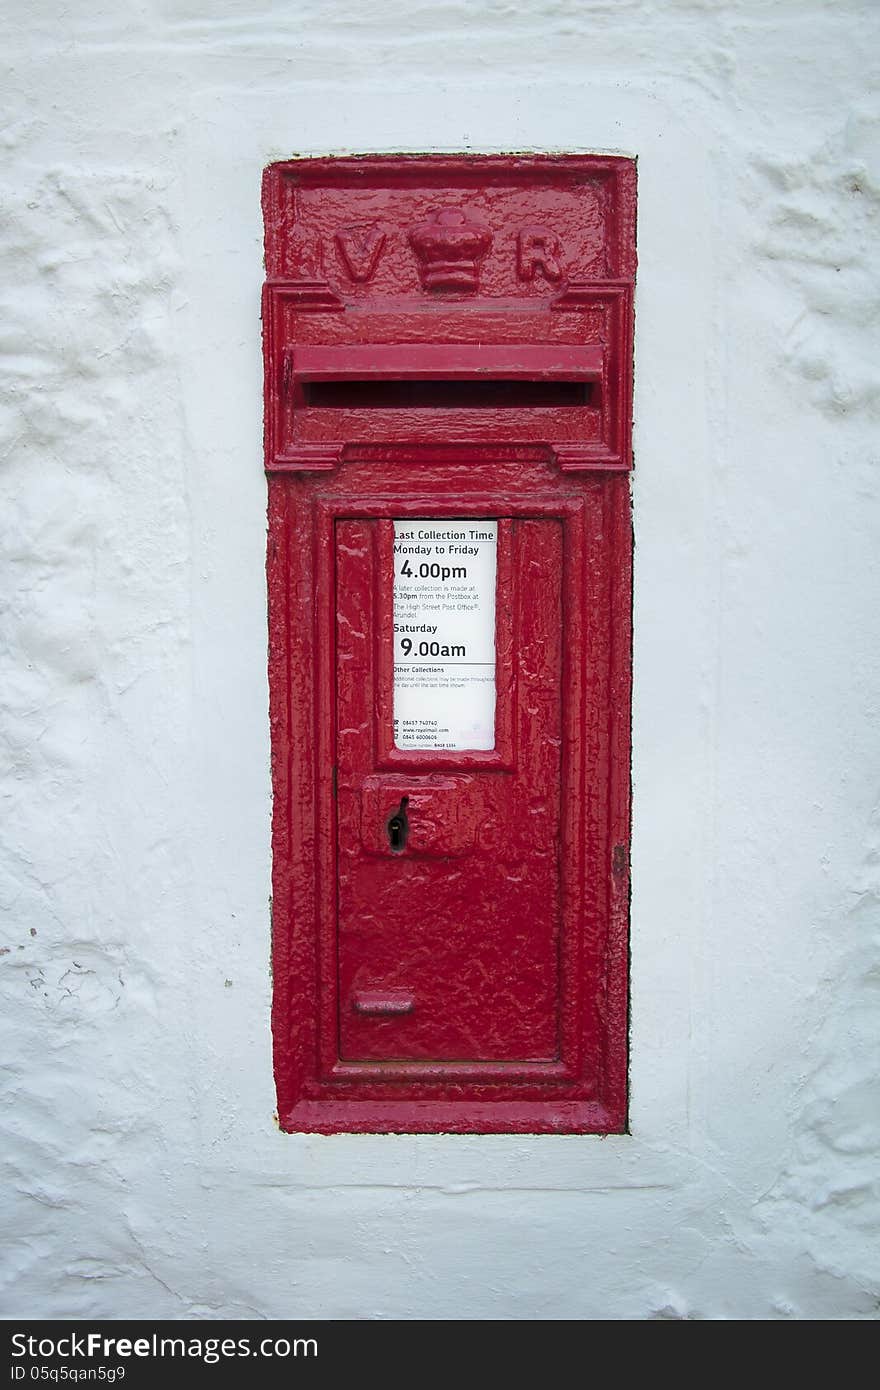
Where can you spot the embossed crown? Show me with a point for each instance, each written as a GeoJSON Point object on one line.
{"type": "Point", "coordinates": [450, 246]}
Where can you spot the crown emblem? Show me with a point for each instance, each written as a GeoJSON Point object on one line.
{"type": "Point", "coordinates": [450, 246]}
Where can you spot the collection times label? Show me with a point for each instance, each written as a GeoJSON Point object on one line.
{"type": "Point", "coordinates": [444, 633]}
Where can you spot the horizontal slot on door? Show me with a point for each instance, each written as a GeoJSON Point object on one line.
{"type": "Point", "coordinates": [443, 394]}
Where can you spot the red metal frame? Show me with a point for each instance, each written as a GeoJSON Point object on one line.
{"type": "Point", "coordinates": [346, 301]}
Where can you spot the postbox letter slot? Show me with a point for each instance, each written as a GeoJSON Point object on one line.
{"type": "Point", "coordinates": [495, 394]}
{"type": "Point", "coordinates": [447, 362]}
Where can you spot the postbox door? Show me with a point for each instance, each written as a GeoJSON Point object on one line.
{"type": "Point", "coordinates": [449, 892]}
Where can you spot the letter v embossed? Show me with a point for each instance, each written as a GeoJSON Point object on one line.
{"type": "Point", "coordinates": [360, 247]}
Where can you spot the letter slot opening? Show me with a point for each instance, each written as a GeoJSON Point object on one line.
{"type": "Point", "coordinates": [446, 376]}
{"type": "Point", "coordinates": [442, 394]}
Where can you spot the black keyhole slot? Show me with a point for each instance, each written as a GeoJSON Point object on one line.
{"type": "Point", "coordinates": [397, 826]}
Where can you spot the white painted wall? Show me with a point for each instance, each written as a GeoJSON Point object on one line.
{"type": "Point", "coordinates": [145, 1174]}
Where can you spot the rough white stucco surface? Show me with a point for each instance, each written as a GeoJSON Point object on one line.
{"type": "Point", "coordinates": [144, 1173]}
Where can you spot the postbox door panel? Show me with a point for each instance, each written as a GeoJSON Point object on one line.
{"type": "Point", "coordinates": [449, 889]}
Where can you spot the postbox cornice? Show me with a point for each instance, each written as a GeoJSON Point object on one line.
{"type": "Point", "coordinates": [443, 226]}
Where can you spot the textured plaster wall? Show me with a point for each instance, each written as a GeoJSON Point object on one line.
{"type": "Point", "coordinates": [144, 1175]}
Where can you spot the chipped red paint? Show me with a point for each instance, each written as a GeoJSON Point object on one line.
{"type": "Point", "coordinates": [450, 928]}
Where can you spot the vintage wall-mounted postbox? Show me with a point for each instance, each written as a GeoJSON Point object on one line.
{"type": "Point", "coordinates": [448, 349]}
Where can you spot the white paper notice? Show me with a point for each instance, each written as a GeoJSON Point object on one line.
{"type": "Point", "coordinates": [444, 634]}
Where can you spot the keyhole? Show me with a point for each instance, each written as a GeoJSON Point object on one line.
{"type": "Point", "coordinates": [398, 827]}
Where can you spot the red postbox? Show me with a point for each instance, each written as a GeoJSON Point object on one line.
{"type": "Point", "coordinates": [448, 349]}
